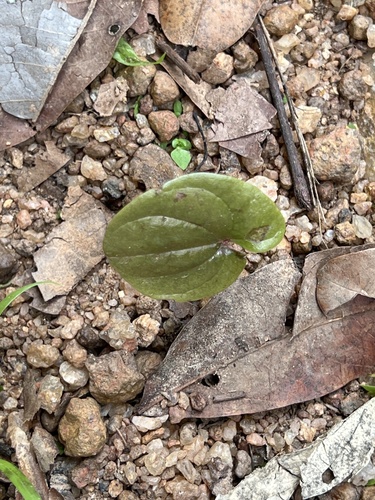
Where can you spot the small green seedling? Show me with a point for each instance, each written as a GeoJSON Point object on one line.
{"type": "Point", "coordinates": [180, 153]}
{"type": "Point", "coordinates": [19, 480]}
{"type": "Point", "coordinates": [136, 106]}
{"type": "Point", "coordinates": [13, 295]}
{"type": "Point", "coordinates": [182, 242]}
{"type": "Point", "coordinates": [126, 55]}
{"type": "Point", "coordinates": [177, 108]}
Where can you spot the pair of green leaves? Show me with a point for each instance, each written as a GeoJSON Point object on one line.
{"type": "Point", "coordinates": [181, 153]}
{"type": "Point", "coordinates": [177, 243]}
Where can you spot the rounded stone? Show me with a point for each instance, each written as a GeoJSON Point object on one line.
{"type": "Point", "coordinates": [280, 20]}
{"type": "Point", "coordinates": [42, 356]}
{"type": "Point", "coordinates": [163, 89]}
{"type": "Point", "coordinates": [165, 124]}
{"type": "Point", "coordinates": [81, 429]}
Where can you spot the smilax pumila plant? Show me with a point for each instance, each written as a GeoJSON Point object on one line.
{"type": "Point", "coordinates": [182, 242]}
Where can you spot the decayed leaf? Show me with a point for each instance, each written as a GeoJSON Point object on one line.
{"type": "Point", "coordinates": [344, 451]}
{"type": "Point", "coordinates": [248, 146]}
{"type": "Point", "coordinates": [249, 314]}
{"type": "Point", "coordinates": [323, 353]}
{"type": "Point", "coordinates": [89, 56]}
{"type": "Point", "coordinates": [235, 118]}
{"type": "Point", "coordinates": [46, 164]}
{"type": "Point", "coordinates": [74, 247]}
{"type": "Point", "coordinates": [33, 49]}
{"type": "Point", "coordinates": [173, 243]}
{"type": "Point", "coordinates": [196, 91]}
{"type": "Point", "coordinates": [210, 24]}
{"type": "Point", "coordinates": [344, 277]}
{"type": "Point", "coordinates": [142, 25]}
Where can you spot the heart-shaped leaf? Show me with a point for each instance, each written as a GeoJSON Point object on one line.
{"type": "Point", "coordinates": [176, 243]}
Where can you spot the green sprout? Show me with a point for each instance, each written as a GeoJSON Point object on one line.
{"type": "Point", "coordinates": [177, 108]}
{"type": "Point", "coordinates": [181, 154]}
{"type": "Point", "coordinates": [125, 54]}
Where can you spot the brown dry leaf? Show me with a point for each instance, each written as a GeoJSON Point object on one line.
{"type": "Point", "coordinates": [74, 247]}
{"type": "Point", "coordinates": [46, 164]}
{"type": "Point", "coordinates": [196, 91]}
{"type": "Point", "coordinates": [248, 146]}
{"type": "Point", "coordinates": [227, 368]}
{"type": "Point", "coordinates": [142, 25]}
{"type": "Point", "coordinates": [210, 24]}
{"type": "Point", "coordinates": [344, 277]}
{"type": "Point", "coordinates": [230, 327]}
{"type": "Point", "coordinates": [235, 118]}
{"type": "Point", "coordinates": [89, 56]}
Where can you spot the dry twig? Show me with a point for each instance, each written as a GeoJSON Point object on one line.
{"type": "Point", "coordinates": [301, 189]}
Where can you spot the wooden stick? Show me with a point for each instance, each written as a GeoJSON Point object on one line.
{"type": "Point", "coordinates": [174, 57]}
{"type": "Point", "coordinates": [300, 186]}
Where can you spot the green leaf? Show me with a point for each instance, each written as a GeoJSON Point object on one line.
{"type": "Point", "coordinates": [126, 55]}
{"type": "Point", "coordinates": [352, 126]}
{"type": "Point", "coordinates": [19, 480]}
{"type": "Point", "coordinates": [181, 143]}
{"type": "Point", "coordinates": [174, 243]}
{"type": "Point", "coordinates": [13, 295]}
{"type": "Point", "coordinates": [136, 106]}
{"type": "Point", "coordinates": [181, 157]}
{"type": "Point", "coordinates": [177, 108]}
{"type": "Point", "coordinates": [371, 482]}
{"type": "Point", "coordinates": [369, 388]}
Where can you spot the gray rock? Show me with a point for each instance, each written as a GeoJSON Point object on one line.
{"type": "Point", "coordinates": [358, 27]}
{"type": "Point", "coordinates": [42, 356]}
{"type": "Point", "coordinates": [352, 85]}
{"type": "Point", "coordinates": [45, 448]}
{"type": "Point", "coordinates": [243, 464]}
{"type": "Point", "coordinates": [50, 392]}
{"type": "Point", "coordinates": [74, 377]}
{"type": "Point", "coordinates": [119, 333]}
{"type": "Point", "coordinates": [362, 227]}
{"type": "Point", "coordinates": [138, 78]}
{"type": "Point", "coordinates": [220, 70]}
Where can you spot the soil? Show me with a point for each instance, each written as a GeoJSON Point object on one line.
{"type": "Point", "coordinates": [330, 71]}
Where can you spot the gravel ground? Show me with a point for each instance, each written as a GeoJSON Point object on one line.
{"type": "Point", "coordinates": [325, 51]}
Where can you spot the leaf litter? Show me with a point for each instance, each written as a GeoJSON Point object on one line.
{"type": "Point", "coordinates": [239, 342]}
{"type": "Point", "coordinates": [317, 310]}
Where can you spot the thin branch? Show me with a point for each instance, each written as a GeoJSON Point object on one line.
{"type": "Point", "coordinates": [305, 152]}
{"type": "Point", "coordinates": [301, 189]}
{"type": "Point", "coordinates": [175, 58]}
